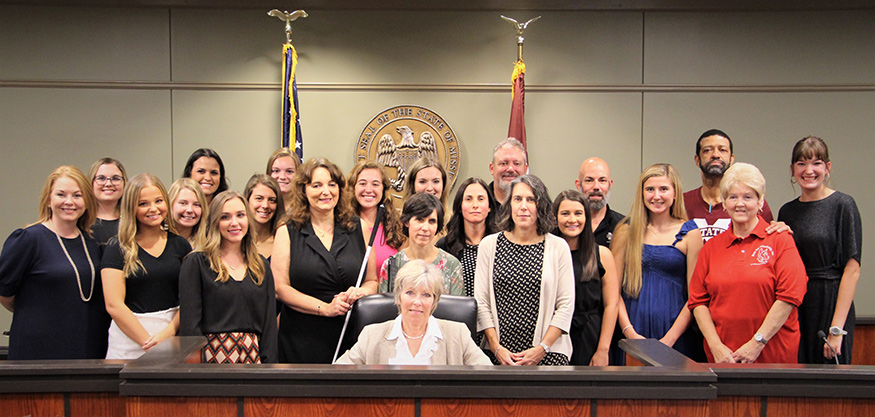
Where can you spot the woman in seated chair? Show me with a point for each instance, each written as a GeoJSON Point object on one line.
{"type": "Point", "coordinates": [415, 337]}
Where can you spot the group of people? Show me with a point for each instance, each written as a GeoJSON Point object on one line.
{"type": "Point", "coordinates": [268, 275]}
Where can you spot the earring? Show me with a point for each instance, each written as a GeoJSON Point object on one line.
{"type": "Point", "coordinates": [792, 180]}
{"type": "Point", "coordinates": [826, 177]}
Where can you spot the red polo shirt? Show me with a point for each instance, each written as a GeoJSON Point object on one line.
{"type": "Point", "coordinates": [739, 279]}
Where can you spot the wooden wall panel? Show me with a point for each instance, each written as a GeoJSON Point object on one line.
{"type": "Point", "coordinates": [504, 408]}
{"type": "Point", "coordinates": [864, 345]}
{"type": "Point", "coordinates": [16, 405]}
{"type": "Point", "coordinates": [734, 406]}
{"type": "Point", "coordinates": [662, 408]}
{"type": "Point", "coordinates": [181, 407]}
{"type": "Point", "coordinates": [811, 407]}
{"type": "Point", "coordinates": [96, 405]}
{"type": "Point", "coordinates": [327, 407]}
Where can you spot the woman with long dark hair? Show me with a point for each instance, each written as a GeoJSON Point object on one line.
{"type": "Point", "coordinates": [206, 168]}
{"type": "Point", "coordinates": [474, 214]}
{"type": "Point", "coordinates": [597, 292]}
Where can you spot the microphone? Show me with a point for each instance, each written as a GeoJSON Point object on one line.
{"type": "Point", "coordinates": [822, 336]}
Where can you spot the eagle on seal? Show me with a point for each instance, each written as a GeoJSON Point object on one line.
{"type": "Point", "coordinates": [403, 155]}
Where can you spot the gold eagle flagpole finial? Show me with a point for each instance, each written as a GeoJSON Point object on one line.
{"type": "Point", "coordinates": [288, 18]}
{"type": "Point", "coordinates": [520, 28]}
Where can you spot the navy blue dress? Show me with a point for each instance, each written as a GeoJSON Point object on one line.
{"type": "Point", "coordinates": [51, 321]}
{"type": "Point", "coordinates": [663, 292]}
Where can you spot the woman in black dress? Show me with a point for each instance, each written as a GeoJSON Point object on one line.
{"type": "Point", "coordinates": [141, 271]}
{"type": "Point", "coordinates": [316, 259]}
{"type": "Point", "coordinates": [108, 178]}
{"type": "Point", "coordinates": [597, 291]}
{"type": "Point", "coordinates": [226, 290]}
{"type": "Point", "coordinates": [474, 213]}
{"type": "Point", "coordinates": [829, 235]}
{"type": "Point", "coordinates": [49, 276]}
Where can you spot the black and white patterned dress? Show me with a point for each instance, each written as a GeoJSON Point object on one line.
{"type": "Point", "coordinates": [469, 266]}
{"type": "Point", "coordinates": [517, 285]}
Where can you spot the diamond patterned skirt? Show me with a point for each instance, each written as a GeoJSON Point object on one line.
{"type": "Point", "coordinates": [232, 347]}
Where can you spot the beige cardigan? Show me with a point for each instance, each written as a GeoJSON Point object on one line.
{"type": "Point", "coordinates": [557, 291]}
{"type": "Point", "coordinates": [455, 348]}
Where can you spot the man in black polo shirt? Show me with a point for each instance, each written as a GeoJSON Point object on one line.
{"type": "Point", "coordinates": [594, 181]}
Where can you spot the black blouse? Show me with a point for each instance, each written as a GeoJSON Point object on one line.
{"type": "Point", "coordinates": [155, 286]}
{"type": "Point", "coordinates": [207, 306]}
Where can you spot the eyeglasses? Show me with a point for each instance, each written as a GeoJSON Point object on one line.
{"type": "Point", "coordinates": [115, 179]}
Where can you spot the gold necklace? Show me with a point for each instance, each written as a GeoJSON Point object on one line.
{"type": "Point", "coordinates": [76, 269]}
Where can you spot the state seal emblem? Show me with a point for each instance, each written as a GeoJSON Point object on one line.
{"type": "Point", "coordinates": [398, 136]}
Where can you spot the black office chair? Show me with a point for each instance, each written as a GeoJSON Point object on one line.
{"type": "Point", "coordinates": [378, 308]}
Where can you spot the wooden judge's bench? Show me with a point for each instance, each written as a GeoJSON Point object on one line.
{"type": "Point", "coordinates": [170, 381]}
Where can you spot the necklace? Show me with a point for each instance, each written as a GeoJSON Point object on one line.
{"type": "Point", "coordinates": [75, 269]}
{"type": "Point", "coordinates": [411, 337]}
{"type": "Point", "coordinates": [322, 234]}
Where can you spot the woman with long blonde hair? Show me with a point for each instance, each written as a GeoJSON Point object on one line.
{"type": "Point", "coordinates": [141, 271]}
{"type": "Point", "coordinates": [655, 249]}
{"type": "Point", "coordinates": [188, 207]}
{"type": "Point", "coordinates": [226, 290]}
{"type": "Point", "coordinates": [49, 276]}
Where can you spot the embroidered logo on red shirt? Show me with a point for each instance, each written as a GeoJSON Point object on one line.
{"type": "Point", "coordinates": [763, 254]}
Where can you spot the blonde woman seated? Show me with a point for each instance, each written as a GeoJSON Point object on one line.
{"type": "Point", "coordinates": [415, 337]}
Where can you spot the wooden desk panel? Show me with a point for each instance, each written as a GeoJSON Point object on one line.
{"type": "Point", "coordinates": [504, 408]}
{"type": "Point", "coordinates": [16, 405]}
{"type": "Point", "coordinates": [328, 407]}
{"type": "Point", "coordinates": [181, 407]}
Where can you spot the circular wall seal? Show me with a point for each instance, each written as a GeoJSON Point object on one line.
{"type": "Point", "coordinates": [398, 136]}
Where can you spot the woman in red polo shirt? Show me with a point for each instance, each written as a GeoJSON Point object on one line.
{"type": "Point", "coordinates": [747, 283]}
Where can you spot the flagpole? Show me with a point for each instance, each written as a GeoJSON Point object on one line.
{"type": "Point", "coordinates": [290, 121]}
{"type": "Point", "coordinates": [517, 126]}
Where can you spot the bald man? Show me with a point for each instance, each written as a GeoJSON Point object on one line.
{"type": "Point", "coordinates": [594, 181]}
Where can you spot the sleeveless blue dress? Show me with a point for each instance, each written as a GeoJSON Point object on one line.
{"type": "Point", "coordinates": [663, 292]}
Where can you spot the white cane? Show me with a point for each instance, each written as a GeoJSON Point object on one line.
{"type": "Point", "coordinates": [358, 282]}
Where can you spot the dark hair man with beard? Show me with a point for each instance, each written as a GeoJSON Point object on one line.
{"type": "Point", "coordinates": [594, 182]}
{"type": "Point", "coordinates": [713, 157]}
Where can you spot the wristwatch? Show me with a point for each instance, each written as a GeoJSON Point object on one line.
{"type": "Point", "coordinates": [837, 331]}
{"type": "Point", "coordinates": [546, 348]}
{"type": "Point", "coordinates": [760, 338]}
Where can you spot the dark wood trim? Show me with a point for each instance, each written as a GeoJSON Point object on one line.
{"type": "Point", "coordinates": [476, 5]}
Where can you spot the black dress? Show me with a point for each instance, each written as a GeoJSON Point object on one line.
{"type": "Point", "coordinates": [51, 321]}
{"type": "Point", "coordinates": [586, 323]}
{"type": "Point", "coordinates": [828, 234]}
{"type": "Point", "coordinates": [319, 273]}
{"type": "Point", "coordinates": [207, 306]}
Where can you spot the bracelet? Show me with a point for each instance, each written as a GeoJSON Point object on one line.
{"type": "Point", "coordinates": [319, 309]}
{"type": "Point", "coordinates": [624, 330]}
